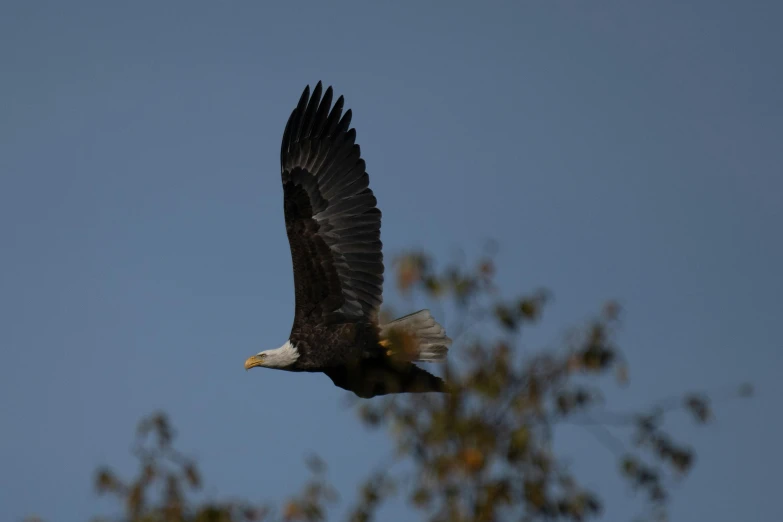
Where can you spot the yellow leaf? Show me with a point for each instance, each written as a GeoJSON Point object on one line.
{"type": "Point", "coordinates": [534, 493]}
{"type": "Point", "coordinates": [292, 511]}
{"type": "Point", "coordinates": [473, 459]}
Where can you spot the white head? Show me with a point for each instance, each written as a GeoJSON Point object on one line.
{"type": "Point", "coordinates": [279, 358]}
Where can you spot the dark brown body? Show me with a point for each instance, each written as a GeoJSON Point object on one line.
{"type": "Point", "coordinates": [351, 355]}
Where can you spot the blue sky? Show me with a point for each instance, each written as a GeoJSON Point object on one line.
{"type": "Point", "coordinates": [627, 150]}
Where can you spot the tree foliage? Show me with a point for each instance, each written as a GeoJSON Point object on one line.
{"type": "Point", "coordinates": [483, 452]}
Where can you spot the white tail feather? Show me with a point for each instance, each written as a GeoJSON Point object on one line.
{"type": "Point", "coordinates": [432, 343]}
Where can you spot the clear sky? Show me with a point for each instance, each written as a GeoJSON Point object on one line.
{"type": "Point", "coordinates": [627, 150]}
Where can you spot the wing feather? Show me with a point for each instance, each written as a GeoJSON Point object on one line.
{"type": "Point", "coordinates": [332, 221]}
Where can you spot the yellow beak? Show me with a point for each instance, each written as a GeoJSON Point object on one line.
{"type": "Point", "coordinates": [254, 361]}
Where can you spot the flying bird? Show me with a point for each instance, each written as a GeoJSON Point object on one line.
{"type": "Point", "coordinates": [334, 231]}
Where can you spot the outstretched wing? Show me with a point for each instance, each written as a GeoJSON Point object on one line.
{"type": "Point", "coordinates": [333, 225]}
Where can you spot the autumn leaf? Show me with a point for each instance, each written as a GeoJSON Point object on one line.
{"type": "Point", "coordinates": [534, 493]}
{"type": "Point", "coordinates": [473, 459]}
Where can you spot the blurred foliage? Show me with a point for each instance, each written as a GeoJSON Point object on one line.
{"type": "Point", "coordinates": [167, 479]}
{"type": "Point", "coordinates": [483, 452]}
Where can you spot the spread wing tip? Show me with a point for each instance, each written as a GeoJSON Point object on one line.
{"type": "Point", "coordinates": [314, 116]}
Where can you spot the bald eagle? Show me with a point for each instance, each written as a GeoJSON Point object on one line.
{"type": "Point", "coordinates": [334, 231]}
